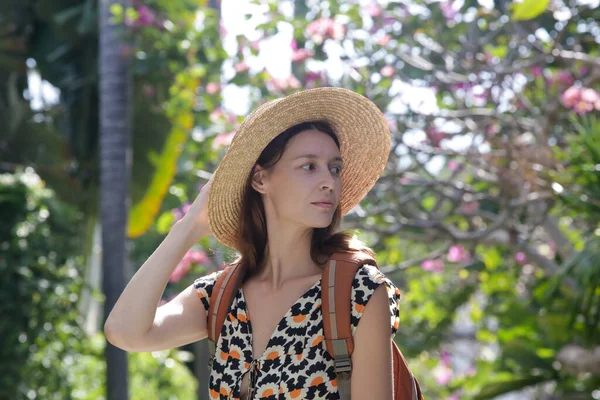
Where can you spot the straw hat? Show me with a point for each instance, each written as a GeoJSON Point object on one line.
{"type": "Point", "coordinates": [361, 129]}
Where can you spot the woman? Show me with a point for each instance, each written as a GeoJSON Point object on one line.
{"type": "Point", "coordinates": [295, 166]}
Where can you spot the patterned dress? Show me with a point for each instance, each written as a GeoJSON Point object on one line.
{"type": "Point", "coordinates": [295, 364]}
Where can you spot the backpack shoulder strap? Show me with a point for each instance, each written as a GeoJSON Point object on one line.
{"type": "Point", "coordinates": [336, 290]}
{"type": "Point", "coordinates": [222, 296]}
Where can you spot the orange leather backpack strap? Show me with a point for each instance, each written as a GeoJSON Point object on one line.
{"type": "Point", "coordinates": [222, 296]}
{"type": "Point", "coordinates": [336, 291]}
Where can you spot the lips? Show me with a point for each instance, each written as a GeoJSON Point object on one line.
{"type": "Point", "coordinates": [324, 205]}
{"type": "Point", "coordinates": [326, 201]}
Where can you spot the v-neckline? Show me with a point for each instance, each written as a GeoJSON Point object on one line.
{"type": "Point", "coordinates": [286, 315]}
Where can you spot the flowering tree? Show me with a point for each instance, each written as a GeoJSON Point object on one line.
{"type": "Point", "coordinates": [482, 99]}
{"type": "Point", "coordinates": [488, 210]}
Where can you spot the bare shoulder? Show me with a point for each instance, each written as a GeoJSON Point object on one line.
{"type": "Point", "coordinates": [372, 356]}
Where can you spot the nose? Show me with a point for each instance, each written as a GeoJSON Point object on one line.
{"type": "Point", "coordinates": [328, 181]}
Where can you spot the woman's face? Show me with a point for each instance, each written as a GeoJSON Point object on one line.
{"type": "Point", "coordinates": [307, 172]}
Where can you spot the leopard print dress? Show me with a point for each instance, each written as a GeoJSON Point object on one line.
{"type": "Point", "coordinates": [295, 364]}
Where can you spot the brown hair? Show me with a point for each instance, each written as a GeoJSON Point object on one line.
{"type": "Point", "coordinates": [252, 225]}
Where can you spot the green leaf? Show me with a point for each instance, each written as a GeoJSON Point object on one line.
{"type": "Point", "coordinates": [523, 354]}
{"type": "Point", "coordinates": [528, 9]}
{"type": "Point", "coordinates": [476, 266]}
{"type": "Point", "coordinates": [116, 10]}
{"type": "Point", "coordinates": [492, 258]}
{"type": "Point", "coordinates": [498, 51]}
{"type": "Point", "coordinates": [165, 222]}
{"type": "Point", "coordinates": [142, 214]}
{"type": "Point", "coordinates": [429, 202]}
{"type": "Point", "coordinates": [494, 389]}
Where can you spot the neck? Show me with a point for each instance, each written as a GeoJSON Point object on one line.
{"type": "Point", "coordinates": [287, 257]}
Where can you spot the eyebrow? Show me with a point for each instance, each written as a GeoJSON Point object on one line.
{"type": "Point", "coordinates": [315, 156]}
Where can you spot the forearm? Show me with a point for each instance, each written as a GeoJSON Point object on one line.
{"type": "Point", "coordinates": [133, 313]}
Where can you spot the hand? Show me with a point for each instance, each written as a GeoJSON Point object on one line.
{"type": "Point", "coordinates": [197, 215]}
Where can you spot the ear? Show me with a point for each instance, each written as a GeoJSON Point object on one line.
{"type": "Point", "coordinates": [258, 179]}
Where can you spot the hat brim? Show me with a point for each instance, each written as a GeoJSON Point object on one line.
{"type": "Point", "coordinates": [360, 126]}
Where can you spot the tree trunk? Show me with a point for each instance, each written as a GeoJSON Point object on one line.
{"type": "Point", "coordinates": [115, 166]}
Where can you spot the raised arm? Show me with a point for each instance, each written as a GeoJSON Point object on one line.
{"type": "Point", "coordinates": [136, 323]}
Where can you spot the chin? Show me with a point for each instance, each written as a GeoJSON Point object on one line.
{"type": "Point", "coordinates": [323, 224]}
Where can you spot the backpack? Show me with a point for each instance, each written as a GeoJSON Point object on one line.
{"type": "Point", "coordinates": [338, 275]}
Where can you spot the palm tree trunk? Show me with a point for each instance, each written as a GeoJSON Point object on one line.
{"type": "Point", "coordinates": [115, 160]}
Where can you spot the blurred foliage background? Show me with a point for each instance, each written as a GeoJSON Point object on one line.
{"type": "Point", "coordinates": [487, 215]}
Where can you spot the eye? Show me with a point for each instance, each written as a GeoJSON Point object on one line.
{"type": "Point", "coordinates": [339, 168]}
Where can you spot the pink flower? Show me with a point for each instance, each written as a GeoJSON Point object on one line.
{"type": "Point", "coordinates": [216, 115]}
{"type": "Point", "coordinates": [536, 71]}
{"type": "Point", "coordinates": [564, 78]}
{"type": "Point", "coordinates": [435, 265]}
{"type": "Point", "coordinates": [222, 29]}
{"type": "Point", "coordinates": [241, 66]}
{"type": "Point", "coordinates": [445, 358]}
{"type": "Point", "coordinates": [583, 107]}
{"type": "Point", "coordinates": [312, 78]}
{"type": "Point", "coordinates": [384, 40]}
{"type": "Point", "coordinates": [463, 86]}
{"type": "Point", "coordinates": [223, 139]}
{"type": "Point", "coordinates": [387, 71]}
{"type": "Point", "coordinates": [373, 9]}
{"type": "Point", "coordinates": [180, 271]}
{"type": "Point", "coordinates": [323, 28]}
{"type": "Point", "coordinates": [302, 54]}
{"type": "Point", "coordinates": [191, 257]}
{"type": "Point", "coordinates": [453, 165]}
{"type": "Point", "coordinates": [493, 129]}
{"type": "Point", "coordinates": [212, 87]}
{"type": "Point", "coordinates": [435, 136]}
{"type": "Point", "coordinates": [293, 82]}
{"type": "Point", "coordinates": [388, 19]}
{"type": "Point", "coordinates": [277, 84]}
{"type": "Point", "coordinates": [442, 374]}
{"type": "Point", "coordinates": [146, 16]}
{"type": "Point", "coordinates": [178, 213]}
{"type": "Point", "coordinates": [457, 254]}
{"type": "Point", "coordinates": [589, 95]}
{"type": "Point", "coordinates": [449, 9]}
{"type": "Point", "coordinates": [581, 100]}
{"type": "Point", "coordinates": [521, 258]}
{"type": "Point", "coordinates": [392, 124]}
{"type": "Point", "coordinates": [196, 257]}
{"type": "Point", "coordinates": [571, 96]}
{"type": "Point", "coordinates": [470, 207]}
